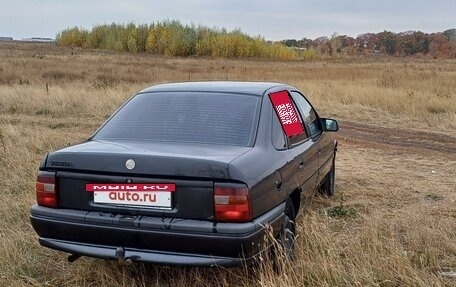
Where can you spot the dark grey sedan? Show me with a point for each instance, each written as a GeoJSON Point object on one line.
{"type": "Point", "coordinates": [188, 174]}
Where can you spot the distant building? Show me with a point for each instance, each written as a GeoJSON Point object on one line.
{"type": "Point", "coordinates": [6, 39]}
{"type": "Point", "coordinates": [37, 39]}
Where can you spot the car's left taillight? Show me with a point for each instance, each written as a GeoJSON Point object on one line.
{"type": "Point", "coordinates": [46, 189]}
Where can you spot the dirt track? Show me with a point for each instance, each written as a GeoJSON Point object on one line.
{"type": "Point", "coordinates": [399, 139]}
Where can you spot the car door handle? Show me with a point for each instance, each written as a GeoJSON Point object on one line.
{"type": "Point", "coordinates": [319, 152]}
{"type": "Point", "coordinates": [301, 164]}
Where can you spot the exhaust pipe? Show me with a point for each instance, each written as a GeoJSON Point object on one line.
{"type": "Point", "coordinates": [73, 257]}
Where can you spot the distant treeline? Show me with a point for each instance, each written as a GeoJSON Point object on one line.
{"type": "Point", "coordinates": [411, 43]}
{"type": "Point", "coordinates": [171, 38]}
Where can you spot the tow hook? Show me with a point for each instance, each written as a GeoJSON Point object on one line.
{"type": "Point", "coordinates": [73, 257]}
{"type": "Point", "coordinates": [120, 255]}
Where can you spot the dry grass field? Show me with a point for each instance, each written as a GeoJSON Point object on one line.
{"type": "Point", "coordinates": [392, 222]}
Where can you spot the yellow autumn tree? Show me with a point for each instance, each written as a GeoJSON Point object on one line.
{"type": "Point", "coordinates": [171, 38]}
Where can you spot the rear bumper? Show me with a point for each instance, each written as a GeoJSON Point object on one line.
{"type": "Point", "coordinates": [155, 240]}
{"type": "Point", "coordinates": [139, 255]}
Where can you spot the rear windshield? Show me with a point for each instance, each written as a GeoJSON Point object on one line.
{"type": "Point", "coordinates": [212, 118]}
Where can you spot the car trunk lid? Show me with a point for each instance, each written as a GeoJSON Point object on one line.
{"type": "Point", "coordinates": [191, 169]}
{"type": "Point", "coordinates": [150, 158]}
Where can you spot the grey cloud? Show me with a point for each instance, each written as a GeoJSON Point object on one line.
{"type": "Point", "coordinates": [270, 18]}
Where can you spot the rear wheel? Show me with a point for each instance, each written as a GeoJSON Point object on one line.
{"type": "Point", "coordinates": [327, 187]}
{"type": "Point", "coordinates": [288, 232]}
{"type": "Point", "coordinates": [282, 251]}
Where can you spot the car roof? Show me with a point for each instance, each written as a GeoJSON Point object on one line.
{"type": "Point", "coordinates": [253, 88]}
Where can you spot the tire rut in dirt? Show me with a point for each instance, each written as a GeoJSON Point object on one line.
{"type": "Point", "coordinates": [361, 133]}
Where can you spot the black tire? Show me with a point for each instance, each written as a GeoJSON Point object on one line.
{"type": "Point", "coordinates": [287, 234]}
{"type": "Point", "coordinates": [283, 251]}
{"type": "Point", "coordinates": [327, 187]}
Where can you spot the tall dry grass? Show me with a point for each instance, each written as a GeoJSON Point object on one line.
{"type": "Point", "coordinates": [392, 222]}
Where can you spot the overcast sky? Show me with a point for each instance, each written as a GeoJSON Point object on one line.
{"type": "Point", "coordinates": [273, 19]}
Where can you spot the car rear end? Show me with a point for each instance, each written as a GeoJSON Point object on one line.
{"type": "Point", "coordinates": [201, 223]}
{"type": "Point", "coordinates": [154, 185]}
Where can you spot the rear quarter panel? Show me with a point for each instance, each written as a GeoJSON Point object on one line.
{"type": "Point", "coordinates": [258, 167]}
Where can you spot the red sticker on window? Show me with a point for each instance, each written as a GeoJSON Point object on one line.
{"type": "Point", "coordinates": [287, 113]}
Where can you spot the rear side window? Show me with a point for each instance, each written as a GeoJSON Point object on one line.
{"type": "Point", "coordinates": [288, 115]}
{"type": "Point", "coordinates": [208, 118]}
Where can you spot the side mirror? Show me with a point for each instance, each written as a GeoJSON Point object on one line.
{"type": "Point", "coordinates": [330, 125]}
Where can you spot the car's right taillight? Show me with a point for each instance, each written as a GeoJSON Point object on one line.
{"type": "Point", "coordinates": [232, 203]}
{"type": "Point", "coordinates": [46, 190]}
